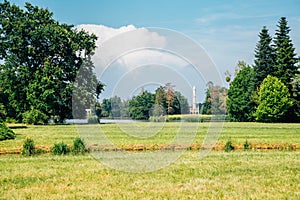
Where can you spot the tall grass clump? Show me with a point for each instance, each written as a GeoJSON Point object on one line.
{"type": "Point", "coordinates": [28, 147]}
{"type": "Point", "coordinates": [79, 146]}
{"type": "Point", "coordinates": [228, 146]}
{"type": "Point", "coordinates": [60, 149]}
{"type": "Point", "coordinates": [246, 146]}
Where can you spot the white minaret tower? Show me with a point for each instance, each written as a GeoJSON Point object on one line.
{"type": "Point", "coordinates": [194, 99]}
{"type": "Point", "coordinates": [194, 109]}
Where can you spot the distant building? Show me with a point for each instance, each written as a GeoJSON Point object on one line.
{"type": "Point", "coordinates": [195, 108]}
{"type": "Point", "coordinates": [88, 112]}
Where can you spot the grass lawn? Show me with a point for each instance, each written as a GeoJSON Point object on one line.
{"type": "Point", "coordinates": [255, 174]}
{"type": "Point", "coordinates": [238, 175]}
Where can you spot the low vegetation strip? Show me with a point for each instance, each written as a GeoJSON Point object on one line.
{"type": "Point", "coordinates": [42, 149]}
{"type": "Point", "coordinates": [259, 136]}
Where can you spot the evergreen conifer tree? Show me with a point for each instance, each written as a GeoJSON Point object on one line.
{"type": "Point", "coordinates": [286, 60]}
{"type": "Point", "coordinates": [264, 63]}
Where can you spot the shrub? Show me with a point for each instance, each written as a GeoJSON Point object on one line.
{"type": "Point", "coordinates": [79, 146]}
{"type": "Point", "coordinates": [60, 149]}
{"type": "Point", "coordinates": [171, 118]}
{"type": "Point", "coordinates": [11, 120]}
{"type": "Point", "coordinates": [2, 113]}
{"type": "Point", "coordinates": [228, 146]}
{"type": "Point", "coordinates": [28, 147]}
{"type": "Point", "coordinates": [246, 146]}
{"type": "Point", "coordinates": [191, 118]}
{"type": "Point", "coordinates": [35, 117]}
{"type": "Point", "coordinates": [93, 119]}
{"type": "Point", "coordinates": [157, 119]}
{"type": "Point", "coordinates": [6, 133]}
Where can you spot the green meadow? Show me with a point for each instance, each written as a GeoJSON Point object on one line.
{"type": "Point", "coordinates": [254, 174]}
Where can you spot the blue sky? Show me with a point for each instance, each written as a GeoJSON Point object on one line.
{"type": "Point", "coordinates": [226, 29]}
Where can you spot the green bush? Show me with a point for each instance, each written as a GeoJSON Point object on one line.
{"type": "Point", "coordinates": [191, 118]}
{"type": "Point", "coordinates": [11, 120]}
{"type": "Point", "coordinates": [171, 118]}
{"type": "Point", "coordinates": [6, 133]}
{"type": "Point", "coordinates": [228, 146]}
{"type": "Point", "coordinates": [93, 119]}
{"type": "Point", "coordinates": [60, 149]}
{"type": "Point", "coordinates": [246, 146]}
{"type": "Point", "coordinates": [2, 113]}
{"type": "Point", "coordinates": [79, 146]}
{"type": "Point", "coordinates": [28, 147]}
{"type": "Point", "coordinates": [35, 117]}
{"type": "Point", "coordinates": [157, 119]}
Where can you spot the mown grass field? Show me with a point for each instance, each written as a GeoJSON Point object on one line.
{"type": "Point", "coordinates": [254, 174]}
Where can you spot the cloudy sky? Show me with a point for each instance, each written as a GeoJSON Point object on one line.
{"type": "Point", "coordinates": [225, 30]}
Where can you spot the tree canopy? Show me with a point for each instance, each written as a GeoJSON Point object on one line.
{"type": "Point", "coordinates": [41, 61]}
{"type": "Point", "coordinates": [264, 58]}
{"type": "Point", "coordinates": [274, 100]}
{"type": "Point", "coordinates": [239, 103]}
{"type": "Point", "coordinates": [251, 94]}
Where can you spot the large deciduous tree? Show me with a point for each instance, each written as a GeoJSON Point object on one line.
{"type": "Point", "coordinates": [141, 105]}
{"type": "Point", "coordinates": [240, 105]}
{"type": "Point", "coordinates": [274, 100]}
{"type": "Point", "coordinates": [41, 60]}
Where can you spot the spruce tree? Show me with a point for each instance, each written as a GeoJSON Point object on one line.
{"type": "Point", "coordinates": [286, 64]}
{"type": "Point", "coordinates": [286, 60]}
{"type": "Point", "coordinates": [264, 63]}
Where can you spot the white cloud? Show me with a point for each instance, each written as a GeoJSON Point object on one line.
{"type": "Point", "coordinates": [141, 55]}
{"type": "Point", "coordinates": [103, 32]}
{"type": "Point", "coordinates": [126, 45]}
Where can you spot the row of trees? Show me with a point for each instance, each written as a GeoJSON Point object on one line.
{"type": "Point", "coordinates": [41, 59]}
{"type": "Point", "coordinates": [215, 100]}
{"type": "Point", "coordinates": [268, 91]}
{"type": "Point", "coordinates": [164, 101]}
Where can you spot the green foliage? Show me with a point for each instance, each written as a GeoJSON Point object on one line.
{"type": "Point", "coordinates": [286, 59]}
{"type": "Point", "coordinates": [228, 146]}
{"type": "Point", "coordinates": [41, 60]}
{"type": "Point", "coordinates": [84, 88]}
{"type": "Point", "coordinates": [2, 113]}
{"type": "Point", "coordinates": [160, 101]}
{"type": "Point", "coordinates": [6, 133]}
{"type": "Point", "coordinates": [274, 100]}
{"type": "Point", "coordinates": [157, 119]}
{"type": "Point", "coordinates": [60, 149]}
{"type": "Point", "coordinates": [264, 58]}
{"type": "Point", "coordinates": [191, 118]}
{"type": "Point", "coordinates": [181, 104]}
{"type": "Point", "coordinates": [35, 117]}
{"type": "Point", "coordinates": [140, 106]}
{"type": "Point", "coordinates": [246, 146]}
{"type": "Point", "coordinates": [93, 119]}
{"type": "Point", "coordinates": [215, 100]}
{"type": "Point", "coordinates": [206, 106]}
{"type": "Point", "coordinates": [240, 105]}
{"type": "Point", "coordinates": [169, 101]}
{"type": "Point", "coordinates": [296, 97]}
{"type": "Point", "coordinates": [79, 146]}
{"type": "Point", "coordinates": [114, 107]}
{"type": "Point", "coordinates": [28, 147]}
